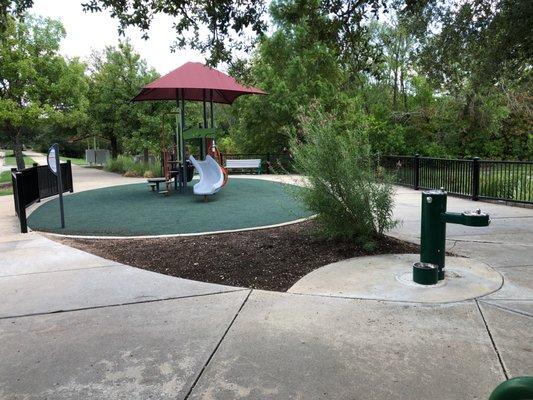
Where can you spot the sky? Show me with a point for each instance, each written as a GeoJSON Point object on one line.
{"type": "Point", "coordinates": [87, 32]}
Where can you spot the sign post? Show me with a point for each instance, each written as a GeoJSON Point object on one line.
{"type": "Point", "coordinates": [55, 167]}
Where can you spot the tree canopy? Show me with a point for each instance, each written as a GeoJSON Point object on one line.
{"type": "Point", "coordinates": [37, 85]}
{"type": "Point", "coordinates": [117, 74]}
{"type": "Point", "coordinates": [438, 78]}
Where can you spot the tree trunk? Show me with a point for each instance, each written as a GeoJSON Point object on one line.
{"type": "Point", "coordinates": [402, 86]}
{"type": "Point", "coordinates": [114, 147]}
{"type": "Point", "coordinates": [145, 155]}
{"type": "Point", "coordinates": [395, 88]}
{"type": "Point", "coordinates": [14, 135]}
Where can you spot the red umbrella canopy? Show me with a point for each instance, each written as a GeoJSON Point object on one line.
{"type": "Point", "coordinates": [197, 81]}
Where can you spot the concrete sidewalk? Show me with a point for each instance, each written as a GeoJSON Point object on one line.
{"type": "Point", "coordinates": [74, 325]}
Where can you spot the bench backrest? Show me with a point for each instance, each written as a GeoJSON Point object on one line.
{"type": "Point", "coordinates": [253, 163]}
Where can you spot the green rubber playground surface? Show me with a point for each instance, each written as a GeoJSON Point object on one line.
{"type": "Point", "coordinates": [133, 210]}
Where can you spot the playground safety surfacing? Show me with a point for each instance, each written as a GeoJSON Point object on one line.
{"type": "Point", "coordinates": [133, 210]}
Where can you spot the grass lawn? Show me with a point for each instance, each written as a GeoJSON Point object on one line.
{"type": "Point", "coordinates": [5, 177]}
{"type": "Point", "coordinates": [6, 191]}
{"type": "Point", "coordinates": [77, 161]}
{"type": "Point", "coordinates": [10, 160]}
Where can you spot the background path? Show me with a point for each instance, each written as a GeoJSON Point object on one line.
{"type": "Point", "coordinates": [74, 325]}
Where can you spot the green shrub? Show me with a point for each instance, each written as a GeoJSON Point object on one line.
{"type": "Point", "coordinates": [512, 185]}
{"type": "Point", "coordinates": [126, 166]}
{"type": "Point", "coordinates": [343, 189]}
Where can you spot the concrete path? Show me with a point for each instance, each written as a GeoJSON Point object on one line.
{"type": "Point", "coordinates": [73, 325]}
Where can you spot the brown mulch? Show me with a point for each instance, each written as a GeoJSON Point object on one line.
{"type": "Point", "coordinates": [270, 259]}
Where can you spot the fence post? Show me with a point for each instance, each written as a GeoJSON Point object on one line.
{"type": "Point", "coordinates": [69, 177]}
{"type": "Point", "coordinates": [416, 171]}
{"type": "Point", "coordinates": [268, 164]}
{"type": "Point", "coordinates": [20, 204]}
{"type": "Point", "coordinates": [14, 187]}
{"type": "Point", "coordinates": [475, 178]}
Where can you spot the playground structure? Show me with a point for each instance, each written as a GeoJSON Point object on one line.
{"type": "Point", "coordinates": [194, 82]}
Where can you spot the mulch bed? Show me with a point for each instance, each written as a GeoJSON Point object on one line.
{"type": "Point", "coordinates": [270, 259]}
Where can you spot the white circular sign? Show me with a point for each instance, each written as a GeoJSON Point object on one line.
{"type": "Point", "coordinates": [52, 163]}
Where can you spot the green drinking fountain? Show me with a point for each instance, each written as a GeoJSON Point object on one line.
{"type": "Point", "coordinates": [431, 267]}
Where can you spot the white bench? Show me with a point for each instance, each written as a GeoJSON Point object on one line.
{"type": "Point", "coordinates": [244, 164]}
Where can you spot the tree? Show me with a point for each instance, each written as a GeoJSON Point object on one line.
{"type": "Point", "coordinates": [12, 8]}
{"type": "Point", "coordinates": [482, 58]}
{"type": "Point", "coordinates": [294, 73]}
{"type": "Point", "coordinates": [37, 85]}
{"type": "Point", "coordinates": [118, 74]}
{"type": "Point", "coordinates": [237, 24]}
{"type": "Point", "coordinates": [227, 22]}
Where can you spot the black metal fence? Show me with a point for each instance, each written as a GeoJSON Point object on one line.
{"type": "Point", "coordinates": [479, 179]}
{"type": "Point", "coordinates": [36, 183]}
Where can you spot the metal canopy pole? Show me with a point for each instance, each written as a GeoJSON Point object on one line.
{"type": "Point", "coordinates": [182, 144]}
{"type": "Point", "coordinates": [203, 141]}
{"type": "Point", "coordinates": [180, 102]}
{"type": "Point", "coordinates": [211, 107]}
{"type": "Point", "coordinates": [178, 135]}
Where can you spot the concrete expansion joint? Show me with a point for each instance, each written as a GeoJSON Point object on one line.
{"type": "Point", "coordinates": [491, 242]}
{"type": "Point", "coordinates": [129, 303]}
{"type": "Point", "coordinates": [60, 270]}
{"type": "Point", "coordinates": [379, 300]}
{"type": "Point", "coordinates": [204, 367]}
{"type": "Point", "coordinates": [500, 359]}
{"type": "Point", "coordinates": [490, 303]}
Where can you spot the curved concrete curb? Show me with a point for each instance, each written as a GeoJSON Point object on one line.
{"type": "Point", "coordinates": [253, 228]}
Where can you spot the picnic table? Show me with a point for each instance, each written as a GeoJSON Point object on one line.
{"type": "Point", "coordinates": [154, 183]}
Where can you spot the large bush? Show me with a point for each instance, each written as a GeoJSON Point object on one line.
{"type": "Point", "coordinates": [126, 166]}
{"type": "Point", "coordinates": [334, 154]}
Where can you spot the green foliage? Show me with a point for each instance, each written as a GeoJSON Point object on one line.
{"type": "Point", "coordinates": [12, 8]}
{"type": "Point", "coordinates": [424, 89]}
{"type": "Point", "coordinates": [118, 74]}
{"type": "Point", "coordinates": [5, 191]}
{"type": "Point", "coordinates": [74, 160]}
{"type": "Point", "coordinates": [125, 165]}
{"type": "Point", "coordinates": [5, 183]}
{"type": "Point", "coordinates": [226, 22]}
{"type": "Point", "coordinates": [295, 70]}
{"type": "Point", "coordinates": [507, 184]}
{"type": "Point", "coordinates": [447, 79]}
{"type": "Point", "coordinates": [38, 86]}
{"type": "Point", "coordinates": [221, 27]}
{"type": "Point", "coordinates": [5, 176]}
{"type": "Point", "coordinates": [342, 188]}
